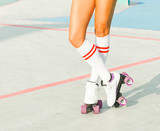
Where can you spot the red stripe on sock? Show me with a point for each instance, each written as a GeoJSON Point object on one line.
{"type": "Point", "coordinates": [91, 54]}
{"type": "Point", "coordinates": [100, 51]}
{"type": "Point", "coordinates": [102, 47]}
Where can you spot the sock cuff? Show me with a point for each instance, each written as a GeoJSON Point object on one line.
{"type": "Point", "coordinates": [103, 41]}
{"type": "Point", "coordinates": [102, 44]}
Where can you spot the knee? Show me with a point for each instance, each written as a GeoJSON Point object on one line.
{"type": "Point", "coordinates": [76, 39]}
{"type": "Point", "coordinates": [101, 30]}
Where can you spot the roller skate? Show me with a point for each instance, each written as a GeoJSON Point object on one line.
{"type": "Point", "coordinates": [92, 104]}
{"type": "Point", "coordinates": [125, 79]}
{"type": "Point", "coordinates": [112, 89]}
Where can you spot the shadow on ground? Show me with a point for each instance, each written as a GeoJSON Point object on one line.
{"type": "Point", "coordinates": [151, 87]}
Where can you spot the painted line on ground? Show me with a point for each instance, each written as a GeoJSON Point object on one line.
{"type": "Point", "coordinates": [75, 79]}
{"type": "Point", "coordinates": [42, 28]}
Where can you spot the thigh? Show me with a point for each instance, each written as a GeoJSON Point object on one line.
{"type": "Point", "coordinates": [81, 13]}
{"type": "Point", "coordinates": [104, 12]}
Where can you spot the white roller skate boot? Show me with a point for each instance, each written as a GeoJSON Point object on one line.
{"type": "Point", "coordinates": [91, 95]}
{"type": "Point", "coordinates": [91, 102]}
{"type": "Point", "coordinates": [111, 88]}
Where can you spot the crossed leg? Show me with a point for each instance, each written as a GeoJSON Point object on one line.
{"type": "Point", "coordinates": [81, 13]}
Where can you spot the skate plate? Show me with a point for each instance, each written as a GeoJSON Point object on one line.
{"type": "Point", "coordinates": [95, 108]}
{"type": "Point", "coordinates": [124, 79]}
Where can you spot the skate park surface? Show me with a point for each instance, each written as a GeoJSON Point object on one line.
{"type": "Point", "coordinates": [43, 77]}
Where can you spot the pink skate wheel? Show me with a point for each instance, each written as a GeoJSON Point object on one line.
{"type": "Point", "coordinates": [122, 101]}
{"type": "Point", "coordinates": [96, 109]}
{"type": "Point", "coordinates": [124, 73]}
{"type": "Point", "coordinates": [128, 80]}
{"type": "Point", "coordinates": [84, 109]}
{"type": "Point", "coordinates": [100, 103]}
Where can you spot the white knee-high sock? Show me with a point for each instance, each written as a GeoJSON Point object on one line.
{"type": "Point", "coordinates": [90, 53]}
{"type": "Point", "coordinates": [102, 44]}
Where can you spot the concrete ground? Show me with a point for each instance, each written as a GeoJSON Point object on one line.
{"type": "Point", "coordinates": [42, 76]}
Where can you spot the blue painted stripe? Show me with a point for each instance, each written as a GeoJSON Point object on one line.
{"type": "Point", "coordinates": [5, 2]}
{"type": "Point", "coordinates": [144, 15]}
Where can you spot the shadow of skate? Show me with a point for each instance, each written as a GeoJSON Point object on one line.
{"type": "Point", "coordinates": [151, 87]}
{"type": "Point", "coordinates": [104, 107]}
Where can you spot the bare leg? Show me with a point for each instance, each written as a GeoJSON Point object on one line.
{"type": "Point", "coordinates": [81, 13]}
{"type": "Point", "coordinates": [103, 17]}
